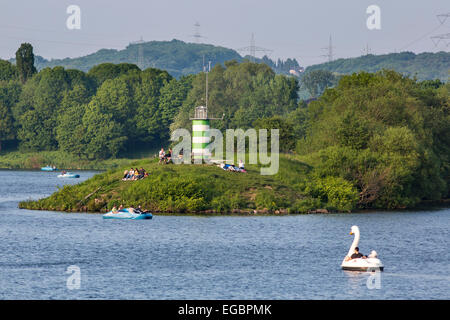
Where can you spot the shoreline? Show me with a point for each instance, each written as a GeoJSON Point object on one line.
{"type": "Point", "coordinates": [18, 160]}
{"type": "Point", "coordinates": [444, 204]}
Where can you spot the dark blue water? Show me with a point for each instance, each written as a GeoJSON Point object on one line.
{"type": "Point", "coordinates": [177, 257]}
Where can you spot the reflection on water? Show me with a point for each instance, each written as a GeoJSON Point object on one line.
{"type": "Point", "coordinates": [176, 257]}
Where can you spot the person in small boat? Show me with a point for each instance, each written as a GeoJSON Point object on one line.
{"type": "Point", "coordinates": [114, 210]}
{"type": "Point", "coordinates": [140, 210]}
{"type": "Point", "coordinates": [120, 207]}
{"type": "Point", "coordinates": [64, 172]}
{"type": "Point", "coordinates": [356, 255]}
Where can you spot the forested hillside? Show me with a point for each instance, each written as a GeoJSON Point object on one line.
{"type": "Point", "coordinates": [178, 58]}
{"type": "Point", "coordinates": [425, 66]}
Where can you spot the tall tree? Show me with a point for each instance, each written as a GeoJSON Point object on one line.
{"type": "Point", "coordinates": [25, 62]}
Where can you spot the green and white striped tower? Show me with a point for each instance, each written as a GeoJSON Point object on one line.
{"type": "Point", "coordinates": [200, 134]}
{"type": "Point", "coordinates": [201, 130]}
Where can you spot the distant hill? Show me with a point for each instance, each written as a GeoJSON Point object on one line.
{"type": "Point", "coordinates": [177, 57]}
{"type": "Point", "coordinates": [181, 58]}
{"type": "Point", "coordinates": [426, 66]}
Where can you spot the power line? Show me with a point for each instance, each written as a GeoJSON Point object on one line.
{"type": "Point", "coordinates": [421, 38]}
{"type": "Point", "coordinates": [253, 48]}
{"type": "Point", "coordinates": [140, 55]}
{"type": "Point", "coordinates": [439, 38]}
{"type": "Point", "coordinates": [367, 50]}
{"type": "Point", "coordinates": [329, 48]}
{"type": "Point", "coordinates": [197, 34]}
{"type": "Point", "coordinates": [64, 42]}
{"type": "Point", "coordinates": [90, 35]}
{"type": "Point", "coordinates": [442, 19]}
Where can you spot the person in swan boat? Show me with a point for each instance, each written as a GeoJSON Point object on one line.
{"type": "Point", "coordinates": [356, 255]}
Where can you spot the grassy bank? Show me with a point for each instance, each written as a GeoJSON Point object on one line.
{"type": "Point", "coordinates": [63, 160]}
{"type": "Point", "coordinates": [188, 189]}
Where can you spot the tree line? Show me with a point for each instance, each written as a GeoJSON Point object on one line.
{"type": "Point", "coordinates": [110, 109]}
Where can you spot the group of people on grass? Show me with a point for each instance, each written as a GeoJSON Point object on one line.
{"type": "Point", "coordinates": [130, 209]}
{"type": "Point", "coordinates": [165, 157]}
{"type": "Point", "coordinates": [233, 168]}
{"type": "Point", "coordinates": [134, 174]}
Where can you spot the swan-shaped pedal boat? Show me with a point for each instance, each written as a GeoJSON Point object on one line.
{"type": "Point", "coordinates": [371, 263]}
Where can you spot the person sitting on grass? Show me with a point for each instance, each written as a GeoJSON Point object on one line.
{"type": "Point", "coordinates": [168, 156]}
{"type": "Point", "coordinates": [130, 174]}
{"type": "Point", "coordinates": [161, 155]}
{"type": "Point", "coordinates": [136, 174]}
{"type": "Point", "coordinates": [241, 164]}
{"type": "Point", "coordinates": [141, 173]}
{"type": "Point", "coordinates": [125, 174]}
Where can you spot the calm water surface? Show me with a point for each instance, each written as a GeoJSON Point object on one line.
{"type": "Point", "coordinates": [294, 257]}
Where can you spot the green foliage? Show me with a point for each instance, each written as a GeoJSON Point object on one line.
{"type": "Point", "coordinates": [242, 92]}
{"type": "Point", "coordinates": [103, 136]}
{"type": "Point", "coordinates": [105, 71]}
{"type": "Point", "coordinates": [25, 62]}
{"type": "Point", "coordinates": [9, 95]}
{"type": "Point", "coordinates": [286, 131]}
{"type": "Point", "coordinates": [317, 81]}
{"type": "Point", "coordinates": [336, 192]}
{"type": "Point", "coordinates": [7, 71]}
{"type": "Point", "coordinates": [424, 66]}
{"type": "Point", "coordinates": [306, 205]}
{"type": "Point", "coordinates": [39, 105]}
{"type": "Point", "coordinates": [7, 131]}
{"type": "Point", "coordinates": [352, 131]}
{"type": "Point", "coordinates": [383, 133]}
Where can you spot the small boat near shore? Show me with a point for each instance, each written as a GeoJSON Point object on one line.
{"type": "Point", "coordinates": [49, 168]}
{"type": "Point", "coordinates": [125, 214]}
{"type": "Point", "coordinates": [68, 175]}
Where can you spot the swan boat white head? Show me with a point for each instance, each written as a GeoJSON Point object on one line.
{"type": "Point", "coordinates": [371, 263]}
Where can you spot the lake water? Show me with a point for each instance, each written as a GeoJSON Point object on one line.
{"type": "Point", "coordinates": [185, 257]}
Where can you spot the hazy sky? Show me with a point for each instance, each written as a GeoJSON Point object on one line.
{"type": "Point", "coordinates": [290, 28]}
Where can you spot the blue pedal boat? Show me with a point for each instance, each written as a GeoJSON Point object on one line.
{"type": "Point", "coordinates": [125, 214]}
